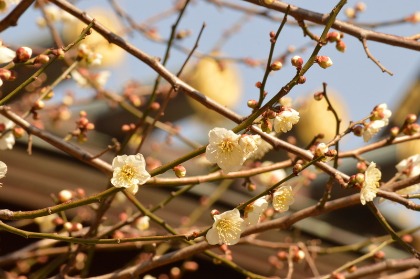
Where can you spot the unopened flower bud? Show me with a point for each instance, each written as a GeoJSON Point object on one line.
{"type": "Point", "coordinates": [252, 104]}
{"type": "Point", "coordinates": [251, 187]}
{"type": "Point", "coordinates": [319, 96]}
{"type": "Point", "coordinates": [340, 46]}
{"type": "Point", "coordinates": [331, 153]}
{"type": "Point", "coordinates": [42, 59]}
{"type": "Point", "coordinates": [179, 171]}
{"type": "Point", "coordinates": [358, 130]}
{"type": "Point", "coordinates": [394, 131]}
{"type": "Point", "coordinates": [297, 61]}
{"type": "Point", "coordinates": [18, 132]}
{"type": "Point", "coordinates": [407, 238]}
{"type": "Point", "coordinates": [321, 149]}
{"type": "Point", "coordinates": [413, 18]}
{"type": "Point", "coordinates": [39, 105]}
{"type": "Point", "coordinates": [379, 255]}
{"type": "Point", "coordinates": [324, 61]}
{"type": "Point", "coordinates": [302, 80]}
{"type": "Point", "coordinates": [154, 106]}
{"type": "Point", "coordinates": [333, 36]}
{"type": "Point", "coordinates": [360, 7]}
{"type": "Point", "coordinates": [411, 129]}
{"type": "Point", "coordinates": [258, 84]}
{"type": "Point", "coordinates": [266, 126]}
{"type": "Point", "coordinates": [65, 196]}
{"type": "Point", "coordinates": [275, 66]}
{"type": "Point", "coordinates": [411, 118]}
{"type": "Point", "coordinates": [5, 74]}
{"type": "Point", "coordinates": [361, 166]}
{"type": "Point", "coordinates": [350, 13]}
{"type": "Point", "coordinates": [297, 168]}
{"type": "Point", "coordinates": [268, 2]}
{"type": "Point", "coordinates": [299, 256]}
{"type": "Point", "coordinates": [359, 178]}
{"type": "Point", "coordinates": [183, 34]}
{"type": "Point", "coordinates": [67, 226]}
{"type": "Point", "coordinates": [23, 54]}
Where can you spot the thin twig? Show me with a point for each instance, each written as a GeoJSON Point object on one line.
{"type": "Point", "coordinates": [371, 57]}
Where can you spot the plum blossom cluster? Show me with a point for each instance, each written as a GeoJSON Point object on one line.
{"type": "Point", "coordinates": [370, 183]}
{"type": "Point", "coordinates": [228, 226]}
{"type": "Point", "coordinates": [379, 119]}
{"type": "Point", "coordinates": [285, 119]}
{"type": "Point", "coordinates": [88, 55]}
{"type": "Point", "coordinates": [229, 150]}
{"type": "Point", "coordinates": [129, 171]}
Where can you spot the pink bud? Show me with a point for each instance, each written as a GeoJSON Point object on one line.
{"type": "Point", "coordinates": [297, 61]}
{"type": "Point", "coordinates": [341, 46]}
{"type": "Point", "coordinates": [324, 61]}
{"type": "Point", "coordinates": [23, 54]}
{"type": "Point", "coordinates": [275, 66]}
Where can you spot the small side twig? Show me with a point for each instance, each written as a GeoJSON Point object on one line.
{"type": "Point", "coordinates": [371, 57]}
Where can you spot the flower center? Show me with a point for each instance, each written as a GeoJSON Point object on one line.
{"type": "Point", "coordinates": [127, 172]}
{"type": "Point", "coordinates": [228, 229]}
{"type": "Point", "coordinates": [226, 146]}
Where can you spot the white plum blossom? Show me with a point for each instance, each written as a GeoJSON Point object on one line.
{"type": "Point", "coordinates": [285, 120]}
{"type": "Point", "coordinates": [409, 167]}
{"type": "Point", "coordinates": [129, 171]}
{"type": "Point", "coordinates": [142, 223]}
{"type": "Point", "coordinates": [6, 54]}
{"type": "Point", "coordinates": [226, 229]}
{"type": "Point", "coordinates": [371, 184]}
{"type": "Point", "coordinates": [254, 211]}
{"type": "Point", "coordinates": [372, 129]}
{"type": "Point", "coordinates": [229, 150]}
{"type": "Point", "coordinates": [321, 149]}
{"type": "Point", "coordinates": [283, 198]}
{"type": "Point", "coordinates": [7, 139]}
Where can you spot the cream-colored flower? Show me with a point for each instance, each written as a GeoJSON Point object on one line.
{"type": "Point", "coordinates": [225, 150]}
{"type": "Point", "coordinates": [321, 149]}
{"type": "Point", "coordinates": [226, 229]}
{"type": "Point", "coordinates": [283, 198]}
{"type": "Point", "coordinates": [129, 172]}
{"type": "Point", "coordinates": [409, 167]}
{"type": "Point", "coordinates": [371, 184]}
{"type": "Point", "coordinates": [285, 120]}
{"type": "Point", "coordinates": [7, 139]}
{"type": "Point", "coordinates": [5, 4]}
{"type": "Point", "coordinates": [254, 211]}
{"type": "Point", "coordinates": [372, 129]}
{"type": "Point", "coordinates": [142, 223]}
{"type": "Point", "coordinates": [6, 54]}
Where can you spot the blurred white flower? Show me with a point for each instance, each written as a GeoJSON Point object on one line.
{"type": "Point", "coordinates": [254, 211]}
{"type": "Point", "coordinates": [142, 223]}
{"type": "Point", "coordinates": [372, 129]}
{"type": "Point", "coordinates": [7, 139]}
{"type": "Point", "coordinates": [5, 4]}
{"type": "Point", "coordinates": [226, 229]}
{"type": "Point", "coordinates": [371, 184]}
{"type": "Point", "coordinates": [46, 223]}
{"type": "Point", "coordinates": [249, 144]}
{"type": "Point", "coordinates": [6, 54]}
{"type": "Point", "coordinates": [285, 120]}
{"type": "Point", "coordinates": [409, 167]}
{"type": "Point", "coordinates": [283, 198]}
{"type": "Point", "coordinates": [321, 149]}
{"type": "Point", "coordinates": [129, 172]}
{"type": "Point", "coordinates": [225, 149]}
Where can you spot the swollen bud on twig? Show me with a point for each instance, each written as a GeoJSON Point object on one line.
{"type": "Point", "coordinates": [297, 61]}
{"type": "Point", "coordinates": [180, 171]}
{"type": "Point", "coordinates": [319, 96]}
{"type": "Point", "coordinates": [324, 61]}
{"type": "Point", "coordinates": [333, 36]}
{"type": "Point", "coordinates": [302, 80]}
{"type": "Point", "coordinates": [23, 54]}
{"type": "Point", "coordinates": [340, 46]}
{"type": "Point", "coordinates": [252, 104]}
{"type": "Point", "coordinates": [275, 66]}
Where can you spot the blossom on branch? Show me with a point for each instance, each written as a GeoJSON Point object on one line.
{"type": "Point", "coordinates": [370, 184]}
{"type": "Point", "coordinates": [129, 172]}
{"type": "Point", "coordinates": [3, 170]}
{"type": "Point", "coordinates": [254, 211]}
{"type": "Point", "coordinates": [226, 229]}
{"type": "Point", "coordinates": [7, 139]}
{"type": "Point", "coordinates": [283, 198]}
{"type": "Point", "coordinates": [284, 121]}
{"type": "Point", "coordinates": [372, 129]}
{"type": "Point", "coordinates": [229, 150]}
